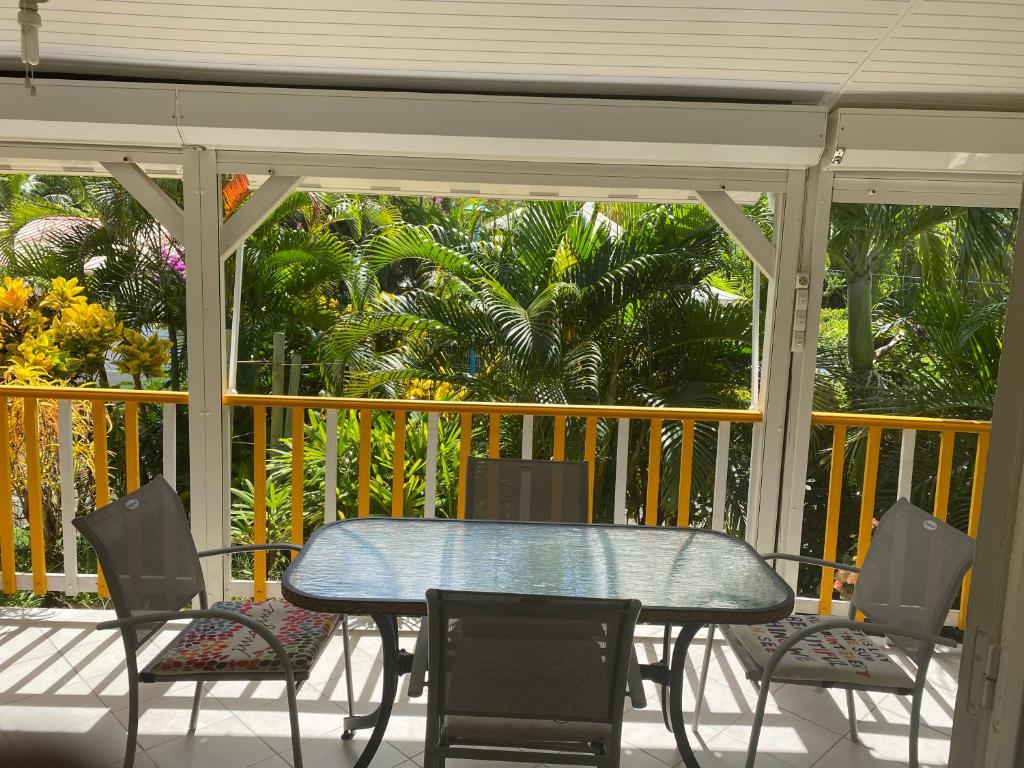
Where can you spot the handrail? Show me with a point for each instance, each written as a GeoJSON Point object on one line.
{"type": "Point", "coordinates": [104, 394]}
{"type": "Point", "coordinates": [504, 409]}
{"type": "Point", "coordinates": [921, 423]}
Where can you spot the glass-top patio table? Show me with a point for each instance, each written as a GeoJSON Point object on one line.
{"type": "Point", "coordinates": [382, 567]}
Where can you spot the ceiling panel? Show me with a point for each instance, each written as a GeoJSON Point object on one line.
{"type": "Point", "coordinates": [950, 52]}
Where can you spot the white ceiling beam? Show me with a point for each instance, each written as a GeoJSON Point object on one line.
{"type": "Point", "coordinates": [245, 220]}
{"type": "Point", "coordinates": [742, 229]}
{"type": "Point", "coordinates": [150, 196]}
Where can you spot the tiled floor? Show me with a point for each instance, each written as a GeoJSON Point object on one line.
{"type": "Point", "coordinates": [63, 687]}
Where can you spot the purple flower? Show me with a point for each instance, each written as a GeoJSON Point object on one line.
{"type": "Point", "coordinates": [172, 258]}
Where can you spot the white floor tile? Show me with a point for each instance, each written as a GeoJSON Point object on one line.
{"type": "Point", "coordinates": [166, 717]}
{"type": "Point", "coordinates": [846, 754]}
{"type": "Point", "coordinates": [95, 742]}
{"type": "Point", "coordinates": [58, 670]}
{"type": "Point", "coordinates": [786, 737]}
{"type": "Point", "coordinates": [227, 743]}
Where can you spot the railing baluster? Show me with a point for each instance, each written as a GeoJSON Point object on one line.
{"type": "Point", "coordinates": [430, 484]}
{"type": "Point", "coordinates": [558, 449]}
{"type": "Point", "coordinates": [102, 474]}
{"type": "Point", "coordinates": [685, 473]}
{"type": "Point", "coordinates": [298, 418]}
{"type": "Point", "coordinates": [398, 467]}
{"type": "Point", "coordinates": [68, 497]}
{"type": "Point", "coordinates": [653, 473]}
{"type": "Point", "coordinates": [465, 445]}
{"type": "Point", "coordinates": [34, 481]}
{"type": "Point", "coordinates": [494, 435]}
{"type": "Point", "coordinates": [131, 446]}
{"type": "Point", "coordinates": [365, 426]}
{"type": "Point", "coordinates": [941, 506]}
{"type": "Point", "coordinates": [170, 444]}
{"type": "Point", "coordinates": [867, 498]}
{"type": "Point", "coordinates": [977, 491]}
{"type": "Point", "coordinates": [721, 476]}
{"type": "Point", "coordinates": [527, 450]}
{"type": "Point", "coordinates": [259, 506]}
{"type": "Point", "coordinates": [908, 441]}
{"type": "Point", "coordinates": [331, 466]}
{"type": "Point", "coordinates": [835, 491]}
{"type": "Point", "coordinates": [621, 471]}
{"type": "Point", "coordinates": [590, 456]}
{"type": "Point", "coordinates": [7, 569]}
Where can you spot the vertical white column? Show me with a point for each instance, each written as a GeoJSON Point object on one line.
{"type": "Point", "coordinates": [721, 476]}
{"type": "Point", "coordinates": [430, 480]}
{"type": "Point", "coordinates": [812, 224]}
{"type": "Point", "coordinates": [755, 339]}
{"type": "Point", "coordinates": [908, 443]}
{"type": "Point", "coordinates": [169, 436]}
{"type": "Point", "coordinates": [331, 466]}
{"type": "Point", "coordinates": [621, 466]}
{"type": "Point", "coordinates": [205, 335]}
{"type": "Point", "coordinates": [527, 437]}
{"type": "Point", "coordinates": [68, 496]}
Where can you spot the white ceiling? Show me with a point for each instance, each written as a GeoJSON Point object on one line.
{"type": "Point", "coordinates": [951, 53]}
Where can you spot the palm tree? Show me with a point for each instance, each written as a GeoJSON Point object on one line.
{"type": "Point", "coordinates": [551, 303]}
{"type": "Point", "coordinates": [863, 238]}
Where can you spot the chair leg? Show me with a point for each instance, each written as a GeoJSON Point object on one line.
{"type": "Point", "coordinates": [755, 728]}
{"type": "Point", "coordinates": [699, 704]}
{"type": "Point", "coordinates": [133, 721]}
{"type": "Point", "coordinates": [915, 724]}
{"type": "Point", "coordinates": [666, 644]}
{"type": "Point", "coordinates": [293, 716]}
{"type": "Point", "coordinates": [851, 709]}
{"type": "Point", "coordinates": [349, 688]}
{"type": "Point", "coordinates": [196, 701]}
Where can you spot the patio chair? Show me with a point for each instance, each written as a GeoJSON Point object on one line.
{"type": "Point", "coordinates": [525, 489]}
{"type": "Point", "coordinates": [513, 679]}
{"type": "Point", "coordinates": [147, 555]}
{"type": "Point", "coordinates": [904, 589]}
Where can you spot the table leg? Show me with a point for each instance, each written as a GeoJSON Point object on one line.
{"type": "Point", "coordinates": [378, 719]}
{"type": "Point", "coordinates": [675, 704]}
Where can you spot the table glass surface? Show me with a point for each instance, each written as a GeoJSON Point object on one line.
{"type": "Point", "coordinates": [392, 562]}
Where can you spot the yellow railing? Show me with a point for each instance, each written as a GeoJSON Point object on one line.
{"type": "Point", "coordinates": [874, 426]}
{"type": "Point", "coordinates": [466, 411]}
{"type": "Point", "coordinates": [58, 434]}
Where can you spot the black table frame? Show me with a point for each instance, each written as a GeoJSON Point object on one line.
{"type": "Point", "coordinates": [667, 672]}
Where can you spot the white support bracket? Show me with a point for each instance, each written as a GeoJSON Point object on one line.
{"type": "Point", "coordinates": [150, 196]}
{"type": "Point", "coordinates": [244, 221]}
{"type": "Point", "coordinates": [744, 231]}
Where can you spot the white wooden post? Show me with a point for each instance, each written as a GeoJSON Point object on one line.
{"type": "Point", "coordinates": [802, 346]}
{"type": "Point", "coordinates": [205, 334]}
{"type": "Point", "coordinates": [989, 705]}
{"type": "Point", "coordinates": [769, 435]}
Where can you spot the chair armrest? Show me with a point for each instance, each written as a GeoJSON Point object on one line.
{"type": "Point", "coordinates": [162, 617]}
{"type": "Point", "coordinates": [881, 630]}
{"type": "Point", "coordinates": [811, 561]}
{"type": "Point", "coordinates": [250, 548]}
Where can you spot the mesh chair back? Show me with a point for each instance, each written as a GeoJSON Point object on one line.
{"type": "Point", "coordinates": [912, 570]}
{"type": "Point", "coordinates": [145, 549]}
{"type": "Point", "coordinates": [529, 656]}
{"type": "Point", "coordinates": [522, 489]}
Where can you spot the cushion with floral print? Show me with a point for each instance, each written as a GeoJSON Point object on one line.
{"type": "Point", "coordinates": [836, 656]}
{"type": "Point", "coordinates": [219, 645]}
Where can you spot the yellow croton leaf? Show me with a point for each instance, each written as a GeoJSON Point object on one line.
{"type": "Point", "coordinates": [38, 352]}
{"type": "Point", "coordinates": [63, 293]}
{"type": "Point", "coordinates": [14, 296]}
{"type": "Point", "coordinates": [141, 355]}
